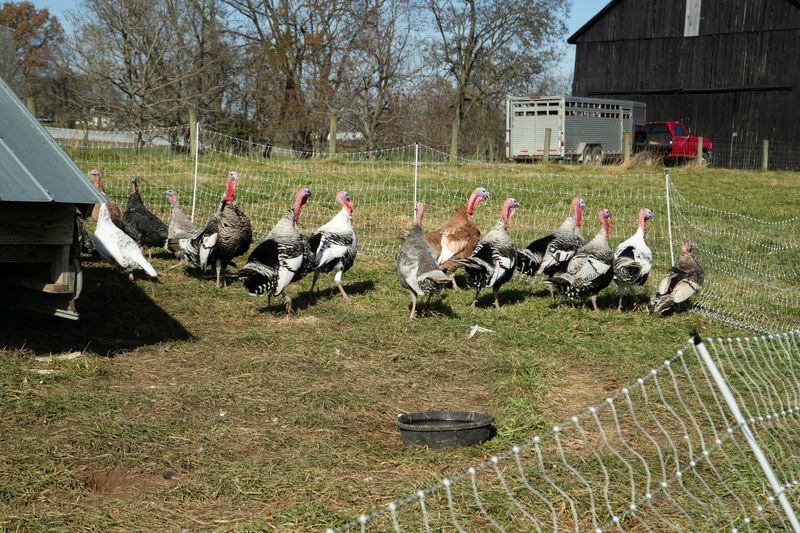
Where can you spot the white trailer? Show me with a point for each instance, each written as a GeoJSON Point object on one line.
{"type": "Point", "coordinates": [582, 129]}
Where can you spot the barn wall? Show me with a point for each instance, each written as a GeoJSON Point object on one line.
{"type": "Point", "coordinates": [718, 83]}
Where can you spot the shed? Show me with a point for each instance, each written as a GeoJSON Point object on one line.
{"type": "Point", "coordinates": [728, 69]}
{"type": "Point", "coordinates": [41, 193]}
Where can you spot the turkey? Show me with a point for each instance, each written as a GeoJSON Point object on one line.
{"type": "Point", "coordinates": [334, 244]}
{"type": "Point", "coordinates": [680, 282]}
{"type": "Point", "coordinates": [116, 247]}
{"type": "Point", "coordinates": [85, 244]}
{"type": "Point", "coordinates": [492, 263]}
{"type": "Point", "coordinates": [282, 257]}
{"type": "Point", "coordinates": [142, 225]}
{"type": "Point", "coordinates": [180, 226]}
{"type": "Point", "coordinates": [113, 209]}
{"type": "Point", "coordinates": [457, 237]}
{"type": "Point", "coordinates": [633, 259]}
{"type": "Point", "coordinates": [551, 254]}
{"type": "Point", "coordinates": [590, 270]}
{"type": "Point", "coordinates": [417, 269]}
{"type": "Point", "coordinates": [227, 235]}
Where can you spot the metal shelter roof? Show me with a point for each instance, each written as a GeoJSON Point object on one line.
{"type": "Point", "coordinates": [33, 167]}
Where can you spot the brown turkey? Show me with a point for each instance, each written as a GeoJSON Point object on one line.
{"type": "Point", "coordinates": [456, 239]}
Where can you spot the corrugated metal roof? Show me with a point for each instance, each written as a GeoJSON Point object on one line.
{"type": "Point", "coordinates": [33, 167]}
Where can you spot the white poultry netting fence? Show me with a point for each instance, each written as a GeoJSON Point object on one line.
{"type": "Point", "coordinates": [751, 264]}
{"type": "Point", "coordinates": [675, 450]}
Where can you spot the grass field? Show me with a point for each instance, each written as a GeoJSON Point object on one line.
{"type": "Point", "coordinates": [199, 408]}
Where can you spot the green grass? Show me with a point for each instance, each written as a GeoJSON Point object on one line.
{"type": "Point", "coordinates": [275, 424]}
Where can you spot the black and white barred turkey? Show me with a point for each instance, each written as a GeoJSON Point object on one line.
{"type": "Point", "coordinates": [591, 269]}
{"type": "Point", "coordinates": [492, 262]}
{"type": "Point", "coordinates": [335, 245]}
{"type": "Point", "coordinates": [283, 257]}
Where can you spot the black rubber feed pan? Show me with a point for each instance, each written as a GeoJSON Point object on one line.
{"type": "Point", "coordinates": [445, 429]}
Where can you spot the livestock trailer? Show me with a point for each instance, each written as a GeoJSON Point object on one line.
{"type": "Point", "coordinates": [582, 129]}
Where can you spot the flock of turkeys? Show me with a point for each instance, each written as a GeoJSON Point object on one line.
{"type": "Point", "coordinates": [425, 263]}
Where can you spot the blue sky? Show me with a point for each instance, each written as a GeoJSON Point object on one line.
{"type": "Point", "coordinates": [582, 11]}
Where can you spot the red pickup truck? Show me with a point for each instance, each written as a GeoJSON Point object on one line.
{"type": "Point", "coordinates": [671, 140]}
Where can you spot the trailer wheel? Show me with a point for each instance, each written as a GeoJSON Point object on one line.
{"type": "Point", "coordinates": [593, 155]}
{"type": "Point", "coordinates": [597, 155]}
{"type": "Point", "coordinates": [587, 158]}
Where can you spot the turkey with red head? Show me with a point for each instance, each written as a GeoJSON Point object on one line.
{"type": "Point", "coordinates": [283, 257]}
{"type": "Point", "coordinates": [492, 263]}
{"type": "Point", "coordinates": [590, 270]}
{"type": "Point", "coordinates": [335, 245]}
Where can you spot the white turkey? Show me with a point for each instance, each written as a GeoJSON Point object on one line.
{"type": "Point", "coordinates": [551, 254]}
{"type": "Point", "coordinates": [116, 247]}
{"type": "Point", "coordinates": [590, 270]}
{"type": "Point", "coordinates": [417, 268]}
{"type": "Point", "coordinates": [680, 282]}
{"type": "Point", "coordinates": [492, 262]}
{"type": "Point", "coordinates": [283, 257]}
{"type": "Point", "coordinates": [633, 259]}
{"type": "Point", "coordinates": [335, 245]}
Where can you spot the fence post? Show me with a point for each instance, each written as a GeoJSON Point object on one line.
{"type": "Point", "coordinates": [765, 155]}
{"type": "Point", "coordinates": [669, 220]}
{"type": "Point", "coordinates": [332, 136]}
{"type": "Point", "coordinates": [193, 129]}
{"type": "Point", "coordinates": [196, 161]}
{"type": "Point", "coordinates": [416, 166]}
{"type": "Point", "coordinates": [698, 157]}
{"type": "Point", "coordinates": [776, 486]}
{"type": "Point", "coordinates": [548, 132]}
{"type": "Point", "coordinates": [626, 147]}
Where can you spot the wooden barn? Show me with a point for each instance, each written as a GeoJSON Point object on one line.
{"type": "Point", "coordinates": [728, 69]}
{"type": "Point", "coordinates": [41, 192]}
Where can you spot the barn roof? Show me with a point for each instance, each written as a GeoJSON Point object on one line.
{"type": "Point", "coordinates": [573, 39]}
{"type": "Point", "coordinates": [33, 168]}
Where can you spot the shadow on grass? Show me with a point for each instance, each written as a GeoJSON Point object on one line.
{"type": "Point", "coordinates": [307, 299]}
{"type": "Point", "coordinates": [507, 296]}
{"type": "Point", "coordinates": [116, 315]}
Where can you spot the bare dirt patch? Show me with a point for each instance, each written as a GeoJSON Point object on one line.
{"type": "Point", "coordinates": [128, 485]}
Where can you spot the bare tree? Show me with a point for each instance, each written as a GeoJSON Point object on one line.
{"type": "Point", "coordinates": [297, 54]}
{"type": "Point", "coordinates": [492, 46]}
{"type": "Point", "coordinates": [381, 65]}
{"type": "Point", "coordinates": [148, 60]}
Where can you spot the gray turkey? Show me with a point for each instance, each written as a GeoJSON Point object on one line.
{"type": "Point", "coordinates": [180, 225]}
{"type": "Point", "coordinates": [140, 223]}
{"type": "Point", "coordinates": [492, 262]}
{"type": "Point", "coordinates": [633, 258]}
{"type": "Point", "coordinates": [417, 268]}
{"type": "Point", "coordinates": [226, 236]}
{"type": "Point", "coordinates": [680, 282]}
{"type": "Point", "coordinates": [590, 270]}
{"type": "Point", "coordinates": [283, 257]}
{"type": "Point", "coordinates": [551, 254]}
{"type": "Point", "coordinates": [335, 245]}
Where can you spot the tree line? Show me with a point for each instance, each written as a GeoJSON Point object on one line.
{"type": "Point", "coordinates": [391, 71]}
